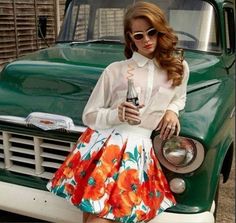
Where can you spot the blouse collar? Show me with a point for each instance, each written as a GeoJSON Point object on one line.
{"type": "Point", "coordinates": [140, 59]}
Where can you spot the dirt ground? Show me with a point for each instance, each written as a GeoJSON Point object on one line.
{"type": "Point", "coordinates": [226, 211]}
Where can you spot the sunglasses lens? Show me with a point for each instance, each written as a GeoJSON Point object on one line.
{"type": "Point", "coordinates": [138, 36]}
{"type": "Point", "coordinates": [152, 32]}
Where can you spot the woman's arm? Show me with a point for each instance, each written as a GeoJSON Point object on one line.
{"type": "Point", "coordinates": [178, 102]}
{"type": "Point", "coordinates": [169, 124]}
{"type": "Point", "coordinates": [97, 114]}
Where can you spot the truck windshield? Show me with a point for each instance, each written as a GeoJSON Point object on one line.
{"type": "Point", "coordinates": [194, 22]}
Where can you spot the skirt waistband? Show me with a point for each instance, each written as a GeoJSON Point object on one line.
{"type": "Point", "coordinates": [133, 129]}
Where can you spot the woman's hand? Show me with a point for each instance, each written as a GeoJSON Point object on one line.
{"type": "Point", "coordinates": [128, 112]}
{"type": "Point", "coordinates": [169, 125]}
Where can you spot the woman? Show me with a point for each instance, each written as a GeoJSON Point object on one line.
{"type": "Point", "coordinates": [112, 174]}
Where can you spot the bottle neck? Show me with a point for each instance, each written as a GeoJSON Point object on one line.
{"type": "Point", "coordinates": [130, 84]}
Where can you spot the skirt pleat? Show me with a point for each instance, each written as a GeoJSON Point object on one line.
{"type": "Point", "coordinates": [114, 174]}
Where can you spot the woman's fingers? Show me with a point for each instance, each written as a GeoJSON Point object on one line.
{"type": "Point", "coordinates": [128, 112]}
{"type": "Point", "coordinates": [129, 105]}
{"type": "Point", "coordinates": [169, 125]}
{"type": "Point", "coordinates": [159, 126]}
{"type": "Point", "coordinates": [132, 114]}
{"type": "Point", "coordinates": [121, 113]}
{"type": "Point", "coordinates": [168, 129]}
{"type": "Point", "coordinates": [166, 132]}
{"type": "Point", "coordinates": [177, 128]}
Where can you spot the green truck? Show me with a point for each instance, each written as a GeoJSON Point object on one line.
{"type": "Point", "coordinates": [43, 94]}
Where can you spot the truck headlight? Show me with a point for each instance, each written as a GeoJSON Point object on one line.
{"type": "Point", "coordinates": [179, 154]}
{"type": "Point", "coordinates": [177, 185]}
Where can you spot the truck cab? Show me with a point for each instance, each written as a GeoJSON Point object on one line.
{"type": "Point", "coordinates": [43, 94]}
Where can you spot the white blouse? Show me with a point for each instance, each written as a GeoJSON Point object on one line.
{"type": "Point", "coordinates": [154, 90]}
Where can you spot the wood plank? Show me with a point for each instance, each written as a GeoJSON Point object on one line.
{"type": "Point", "coordinates": [26, 30]}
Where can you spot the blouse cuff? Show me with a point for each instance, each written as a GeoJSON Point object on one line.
{"type": "Point", "coordinates": [113, 117]}
{"type": "Point", "coordinates": [173, 108]}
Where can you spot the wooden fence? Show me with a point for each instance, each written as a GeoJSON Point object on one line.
{"type": "Point", "coordinates": [19, 19]}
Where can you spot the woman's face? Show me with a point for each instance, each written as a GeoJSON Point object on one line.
{"type": "Point", "coordinates": [144, 37]}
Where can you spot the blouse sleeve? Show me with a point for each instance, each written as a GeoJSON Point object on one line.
{"type": "Point", "coordinates": [178, 102]}
{"type": "Point", "coordinates": [97, 114]}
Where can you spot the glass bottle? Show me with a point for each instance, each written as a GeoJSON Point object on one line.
{"type": "Point", "coordinates": [132, 96]}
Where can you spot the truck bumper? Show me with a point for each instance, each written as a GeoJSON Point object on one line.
{"type": "Point", "coordinates": [167, 217]}
{"type": "Point", "coordinates": [37, 204]}
{"type": "Point", "coordinates": [46, 206]}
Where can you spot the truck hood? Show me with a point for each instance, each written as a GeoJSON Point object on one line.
{"type": "Point", "coordinates": [59, 79]}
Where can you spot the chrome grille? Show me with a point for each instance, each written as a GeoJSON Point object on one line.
{"type": "Point", "coordinates": [32, 155]}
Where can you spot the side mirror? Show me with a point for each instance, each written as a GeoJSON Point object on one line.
{"type": "Point", "coordinates": [42, 26]}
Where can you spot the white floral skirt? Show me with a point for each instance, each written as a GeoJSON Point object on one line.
{"type": "Point", "coordinates": [114, 174]}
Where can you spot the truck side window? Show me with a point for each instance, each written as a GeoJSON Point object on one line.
{"type": "Point", "coordinates": [229, 29]}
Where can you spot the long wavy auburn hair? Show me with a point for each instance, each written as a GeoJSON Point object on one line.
{"type": "Point", "coordinates": [166, 39]}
